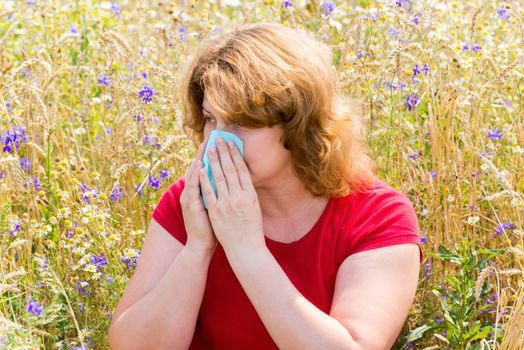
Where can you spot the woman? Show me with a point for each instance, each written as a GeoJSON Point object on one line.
{"type": "Point", "coordinates": [302, 247]}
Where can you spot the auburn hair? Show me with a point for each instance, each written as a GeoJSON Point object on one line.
{"type": "Point", "coordinates": [264, 74]}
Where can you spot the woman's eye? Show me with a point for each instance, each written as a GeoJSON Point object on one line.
{"type": "Point", "coordinates": [209, 119]}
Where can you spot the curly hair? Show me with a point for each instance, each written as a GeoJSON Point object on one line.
{"type": "Point", "coordinates": [265, 74]}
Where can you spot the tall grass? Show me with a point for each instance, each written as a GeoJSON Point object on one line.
{"type": "Point", "coordinates": [86, 155]}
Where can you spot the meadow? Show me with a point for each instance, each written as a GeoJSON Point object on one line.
{"type": "Point", "coordinates": [90, 137]}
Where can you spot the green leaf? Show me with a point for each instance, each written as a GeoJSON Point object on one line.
{"type": "Point", "coordinates": [417, 333]}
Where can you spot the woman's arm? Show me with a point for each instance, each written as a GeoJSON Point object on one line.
{"type": "Point", "coordinates": [373, 294]}
{"type": "Point", "coordinates": [160, 305]}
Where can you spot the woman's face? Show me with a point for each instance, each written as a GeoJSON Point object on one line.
{"type": "Point", "coordinates": [265, 156]}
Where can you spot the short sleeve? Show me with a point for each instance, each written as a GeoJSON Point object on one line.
{"type": "Point", "coordinates": [386, 217]}
{"type": "Point", "coordinates": [168, 212]}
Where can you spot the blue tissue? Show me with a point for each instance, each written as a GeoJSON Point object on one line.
{"type": "Point", "coordinates": [227, 136]}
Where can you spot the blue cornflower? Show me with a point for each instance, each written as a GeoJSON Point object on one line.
{"type": "Point", "coordinates": [503, 13]}
{"type": "Point", "coordinates": [104, 80]}
{"type": "Point", "coordinates": [494, 134]}
{"type": "Point", "coordinates": [154, 182]}
{"type": "Point", "coordinates": [116, 9]}
{"type": "Point", "coordinates": [33, 307]}
{"type": "Point", "coordinates": [411, 101]}
{"type": "Point", "coordinates": [117, 193]}
{"type": "Point", "coordinates": [99, 261]}
{"type": "Point", "coordinates": [146, 94]}
{"type": "Point", "coordinates": [502, 227]}
{"type": "Point", "coordinates": [393, 32]}
{"type": "Point", "coordinates": [287, 4]}
{"type": "Point", "coordinates": [327, 7]}
{"type": "Point", "coordinates": [25, 163]}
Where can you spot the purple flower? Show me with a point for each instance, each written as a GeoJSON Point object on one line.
{"type": "Point", "coordinates": [433, 174]}
{"type": "Point", "coordinates": [138, 189]}
{"type": "Point", "coordinates": [31, 2]}
{"type": "Point", "coordinates": [465, 47]}
{"type": "Point", "coordinates": [104, 80]}
{"type": "Point", "coordinates": [416, 70]}
{"type": "Point", "coordinates": [411, 101]}
{"type": "Point", "coordinates": [15, 228]}
{"type": "Point", "coordinates": [25, 163]}
{"type": "Point", "coordinates": [33, 307]}
{"type": "Point", "coordinates": [150, 139]}
{"type": "Point", "coordinates": [73, 28]}
{"type": "Point", "coordinates": [35, 183]}
{"type": "Point", "coordinates": [475, 48]}
{"type": "Point", "coordinates": [181, 33]}
{"type": "Point", "coordinates": [82, 346]}
{"type": "Point", "coordinates": [427, 269]}
{"type": "Point", "coordinates": [116, 9]}
{"type": "Point", "coordinates": [393, 32]}
{"type": "Point", "coordinates": [146, 94]}
{"type": "Point", "coordinates": [8, 105]}
{"type": "Point", "coordinates": [425, 69]}
{"type": "Point", "coordinates": [154, 182]}
{"type": "Point", "coordinates": [494, 134]}
{"type": "Point", "coordinates": [415, 19]}
{"type": "Point", "coordinates": [287, 4]}
{"type": "Point", "coordinates": [100, 261]}
{"type": "Point", "coordinates": [439, 320]}
{"type": "Point", "coordinates": [502, 227]}
{"type": "Point", "coordinates": [144, 75]}
{"type": "Point", "coordinates": [423, 238]}
{"type": "Point", "coordinates": [137, 117]}
{"type": "Point", "coordinates": [403, 3]}
{"type": "Point", "coordinates": [416, 155]}
{"type": "Point", "coordinates": [117, 193]}
{"type": "Point", "coordinates": [503, 13]}
{"type": "Point", "coordinates": [13, 137]}
{"type": "Point", "coordinates": [164, 173]}
{"type": "Point", "coordinates": [327, 7]}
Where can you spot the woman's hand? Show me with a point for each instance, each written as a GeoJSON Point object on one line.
{"type": "Point", "coordinates": [235, 215]}
{"type": "Point", "coordinates": [200, 234]}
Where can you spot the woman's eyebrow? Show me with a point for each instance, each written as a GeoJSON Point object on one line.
{"type": "Point", "coordinates": [205, 110]}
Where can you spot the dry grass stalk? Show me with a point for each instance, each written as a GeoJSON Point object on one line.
{"type": "Point", "coordinates": [514, 335]}
{"type": "Point", "coordinates": [14, 274]}
{"type": "Point", "coordinates": [480, 282]}
{"type": "Point", "coordinates": [18, 243]}
{"type": "Point", "coordinates": [117, 43]}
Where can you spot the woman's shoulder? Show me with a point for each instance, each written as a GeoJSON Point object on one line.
{"type": "Point", "coordinates": [378, 189]}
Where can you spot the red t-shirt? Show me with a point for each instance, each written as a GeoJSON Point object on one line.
{"type": "Point", "coordinates": [377, 217]}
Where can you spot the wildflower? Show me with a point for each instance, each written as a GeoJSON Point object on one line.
{"type": "Point", "coordinates": [327, 7]}
{"type": "Point", "coordinates": [15, 227]}
{"type": "Point", "coordinates": [416, 155]}
{"type": "Point", "coordinates": [13, 137]}
{"type": "Point", "coordinates": [503, 227]}
{"type": "Point", "coordinates": [137, 117]}
{"type": "Point", "coordinates": [116, 9]}
{"type": "Point", "coordinates": [154, 182]}
{"type": "Point", "coordinates": [416, 70]}
{"type": "Point", "coordinates": [35, 183]}
{"type": "Point", "coordinates": [427, 269]}
{"type": "Point", "coordinates": [287, 4]}
{"type": "Point", "coordinates": [164, 174]}
{"type": "Point", "coordinates": [129, 257]}
{"type": "Point", "coordinates": [99, 261]}
{"type": "Point", "coordinates": [423, 238]}
{"type": "Point", "coordinates": [472, 220]}
{"type": "Point", "coordinates": [465, 47]}
{"type": "Point", "coordinates": [475, 48]}
{"type": "Point", "coordinates": [104, 80]}
{"type": "Point", "coordinates": [415, 19]}
{"type": "Point", "coordinates": [138, 190]}
{"type": "Point", "coordinates": [393, 32]}
{"type": "Point", "coordinates": [425, 69]}
{"type": "Point", "coordinates": [439, 320]}
{"type": "Point", "coordinates": [149, 139]}
{"type": "Point", "coordinates": [73, 28]}
{"type": "Point", "coordinates": [25, 163]}
{"type": "Point", "coordinates": [494, 134]}
{"type": "Point", "coordinates": [83, 346]}
{"type": "Point", "coordinates": [411, 101]}
{"type": "Point", "coordinates": [146, 94]}
{"type": "Point", "coordinates": [503, 13]}
{"type": "Point", "coordinates": [117, 193]}
{"type": "Point", "coordinates": [181, 33]}
{"type": "Point", "coordinates": [33, 307]}
{"type": "Point", "coordinates": [433, 174]}
{"type": "Point", "coordinates": [31, 2]}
